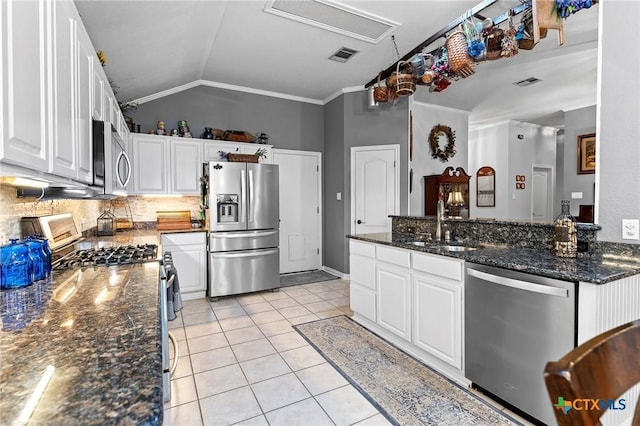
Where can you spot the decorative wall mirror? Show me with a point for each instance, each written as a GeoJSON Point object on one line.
{"type": "Point", "coordinates": [486, 187]}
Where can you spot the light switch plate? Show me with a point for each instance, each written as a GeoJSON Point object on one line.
{"type": "Point", "coordinates": [338, 196]}
{"type": "Point", "coordinates": [630, 229]}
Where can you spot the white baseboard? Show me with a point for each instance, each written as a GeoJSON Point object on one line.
{"type": "Point", "coordinates": [336, 273]}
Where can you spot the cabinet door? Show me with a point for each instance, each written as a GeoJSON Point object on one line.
{"type": "Point", "coordinates": [186, 166]}
{"type": "Point", "coordinates": [438, 317]}
{"type": "Point", "coordinates": [86, 61]}
{"type": "Point", "coordinates": [99, 81]}
{"type": "Point", "coordinates": [24, 83]}
{"type": "Point", "coordinates": [150, 164]}
{"type": "Point", "coordinates": [189, 254]}
{"type": "Point", "coordinates": [63, 68]}
{"type": "Point", "coordinates": [394, 299]}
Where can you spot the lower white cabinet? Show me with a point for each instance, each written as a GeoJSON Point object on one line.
{"type": "Point", "coordinates": [189, 253]}
{"type": "Point", "coordinates": [413, 299]}
{"type": "Point", "coordinates": [394, 299]}
{"type": "Point", "coordinates": [437, 322]}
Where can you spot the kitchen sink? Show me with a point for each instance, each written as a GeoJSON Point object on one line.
{"type": "Point", "coordinates": [456, 248]}
{"type": "Point", "coordinates": [418, 243]}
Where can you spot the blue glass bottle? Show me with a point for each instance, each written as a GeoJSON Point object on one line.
{"type": "Point", "coordinates": [16, 265]}
{"type": "Point", "coordinates": [36, 254]}
{"type": "Point", "coordinates": [47, 254]}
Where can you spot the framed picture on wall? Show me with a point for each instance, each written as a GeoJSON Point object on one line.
{"type": "Point", "coordinates": [486, 187]}
{"type": "Point", "coordinates": [587, 154]}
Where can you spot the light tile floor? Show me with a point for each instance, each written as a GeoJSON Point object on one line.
{"type": "Point", "coordinates": [241, 363]}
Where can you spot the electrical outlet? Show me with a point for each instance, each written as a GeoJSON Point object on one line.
{"type": "Point", "coordinates": [630, 229]}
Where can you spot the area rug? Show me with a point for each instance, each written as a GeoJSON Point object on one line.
{"type": "Point", "coordinates": [308, 277]}
{"type": "Point", "coordinates": [403, 389]}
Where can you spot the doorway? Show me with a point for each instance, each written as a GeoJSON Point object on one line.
{"type": "Point", "coordinates": [542, 194]}
{"type": "Point", "coordinates": [375, 187]}
{"type": "Point", "coordinates": [300, 209]}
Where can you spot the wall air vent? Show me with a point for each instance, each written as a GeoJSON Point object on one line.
{"type": "Point", "coordinates": [343, 55]}
{"type": "Point", "coordinates": [333, 16]}
{"type": "Point", "coordinates": [527, 82]}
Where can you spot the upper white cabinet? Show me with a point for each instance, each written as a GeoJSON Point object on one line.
{"type": "Point", "coordinates": [166, 165]}
{"type": "Point", "coordinates": [186, 165]}
{"type": "Point", "coordinates": [24, 84]}
{"type": "Point", "coordinates": [52, 86]}
{"type": "Point", "coordinates": [150, 164]}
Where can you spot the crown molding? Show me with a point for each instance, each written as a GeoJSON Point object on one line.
{"type": "Point", "coordinates": [233, 87]}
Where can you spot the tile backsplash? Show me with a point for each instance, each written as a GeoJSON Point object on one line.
{"type": "Point", "coordinates": [143, 209]}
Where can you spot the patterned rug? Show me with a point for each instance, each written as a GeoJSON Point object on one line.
{"type": "Point", "coordinates": [309, 277]}
{"type": "Point", "coordinates": [403, 389]}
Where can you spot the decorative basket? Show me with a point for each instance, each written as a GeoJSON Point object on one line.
{"type": "Point", "coordinates": [494, 44]}
{"type": "Point", "coordinates": [403, 83]}
{"type": "Point", "coordinates": [242, 158]}
{"type": "Point", "coordinates": [379, 92]}
{"type": "Point", "coordinates": [459, 60]}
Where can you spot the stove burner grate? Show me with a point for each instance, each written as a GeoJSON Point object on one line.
{"type": "Point", "coordinates": [108, 256]}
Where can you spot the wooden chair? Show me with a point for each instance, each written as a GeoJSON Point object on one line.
{"type": "Point", "coordinates": [602, 368]}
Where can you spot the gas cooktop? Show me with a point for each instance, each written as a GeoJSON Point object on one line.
{"type": "Point", "coordinates": [107, 256]}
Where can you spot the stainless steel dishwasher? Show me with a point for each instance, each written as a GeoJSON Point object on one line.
{"type": "Point", "coordinates": [514, 324]}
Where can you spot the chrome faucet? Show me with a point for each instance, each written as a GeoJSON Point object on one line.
{"type": "Point", "coordinates": [439, 217]}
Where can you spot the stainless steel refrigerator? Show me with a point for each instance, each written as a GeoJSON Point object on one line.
{"type": "Point", "coordinates": [243, 219]}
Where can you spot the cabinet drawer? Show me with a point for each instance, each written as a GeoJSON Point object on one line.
{"type": "Point", "coordinates": [438, 265]}
{"type": "Point", "coordinates": [362, 270]}
{"type": "Point", "coordinates": [395, 256]}
{"type": "Point", "coordinates": [183, 238]}
{"type": "Point", "coordinates": [364, 249]}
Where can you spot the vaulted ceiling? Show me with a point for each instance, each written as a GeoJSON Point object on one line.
{"type": "Point", "coordinates": [156, 47]}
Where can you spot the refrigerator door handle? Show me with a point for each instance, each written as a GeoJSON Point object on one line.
{"type": "Point", "coordinates": [251, 253]}
{"type": "Point", "coordinates": [250, 196]}
{"type": "Point", "coordinates": [243, 234]}
{"type": "Point", "coordinates": [243, 196]}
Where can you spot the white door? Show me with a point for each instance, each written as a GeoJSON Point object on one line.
{"type": "Point", "coordinates": [300, 207]}
{"type": "Point", "coordinates": [375, 182]}
{"type": "Point", "coordinates": [541, 194]}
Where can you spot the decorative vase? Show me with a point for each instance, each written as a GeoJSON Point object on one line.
{"type": "Point", "coordinates": [566, 244]}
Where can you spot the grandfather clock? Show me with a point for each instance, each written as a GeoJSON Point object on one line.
{"type": "Point", "coordinates": [452, 186]}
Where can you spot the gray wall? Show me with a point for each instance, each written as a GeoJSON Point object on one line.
{"type": "Point", "coordinates": [289, 124]}
{"type": "Point", "coordinates": [348, 123]}
{"type": "Point", "coordinates": [577, 122]}
{"type": "Point", "coordinates": [618, 150]}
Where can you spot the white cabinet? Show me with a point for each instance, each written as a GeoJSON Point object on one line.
{"type": "Point", "coordinates": [166, 165]}
{"type": "Point", "coordinates": [50, 89]}
{"type": "Point", "coordinates": [189, 253]}
{"type": "Point", "coordinates": [64, 136]}
{"type": "Point", "coordinates": [393, 280]}
{"type": "Point", "coordinates": [362, 288]}
{"type": "Point", "coordinates": [413, 299]}
{"type": "Point", "coordinates": [150, 164]}
{"type": "Point", "coordinates": [84, 126]}
{"type": "Point", "coordinates": [212, 150]}
{"type": "Point", "coordinates": [24, 84]}
{"type": "Point", "coordinates": [186, 166]}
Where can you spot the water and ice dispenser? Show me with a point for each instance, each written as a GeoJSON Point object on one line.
{"type": "Point", "coordinates": [227, 208]}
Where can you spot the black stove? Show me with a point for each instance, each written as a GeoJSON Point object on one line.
{"type": "Point", "coordinates": [107, 256]}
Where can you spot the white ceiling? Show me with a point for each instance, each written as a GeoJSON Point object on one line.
{"type": "Point", "coordinates": [157, 46]}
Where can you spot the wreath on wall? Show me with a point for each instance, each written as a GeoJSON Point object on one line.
{"type": "Point", "coordinates": [434, 138]}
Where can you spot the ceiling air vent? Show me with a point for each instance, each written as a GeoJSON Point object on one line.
{"type": "Point", "coordinates": [343, 55]}
{"type": "Point", "coordinates": [334, 16]}
{"type": "Point", "coordinates": [527, 82]}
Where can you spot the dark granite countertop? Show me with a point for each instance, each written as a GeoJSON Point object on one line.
{"type": "Point", "coordinates": [99, 328]}
{"type": "Point", "coordinates": [599, 268]}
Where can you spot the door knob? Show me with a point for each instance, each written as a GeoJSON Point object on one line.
{"type": "Point", "coordinates": [359, 222]}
